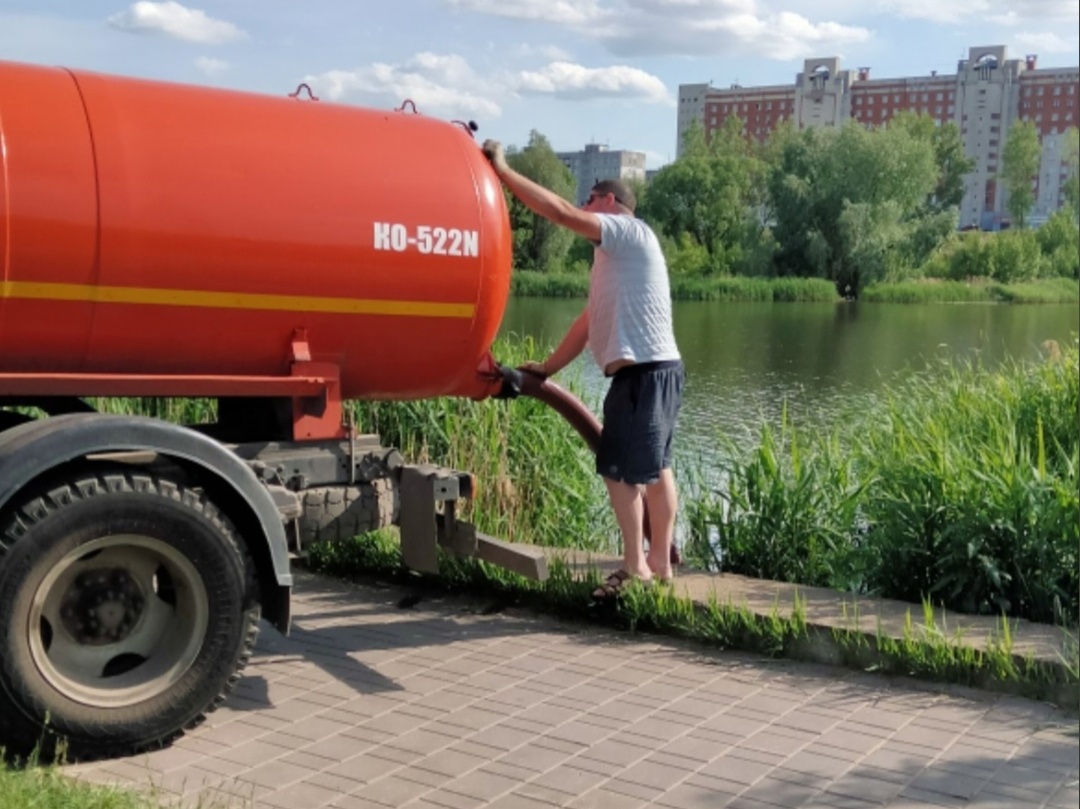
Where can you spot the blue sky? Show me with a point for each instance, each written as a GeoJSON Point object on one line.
{"type": "Point", "coordinates": [578, 71]}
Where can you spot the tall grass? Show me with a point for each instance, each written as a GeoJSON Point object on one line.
{"type": "Point", "coordinates": [786, 512]}
{"type": "Point", "coordinates": [975, 503]}
{"type": "Point", "coordinates": [961, 487]}
{"type": "Point", "coordinates": [537, 480]}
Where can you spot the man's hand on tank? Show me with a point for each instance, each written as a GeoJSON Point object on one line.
{"type": "Point", "coordinates": [493, 151]}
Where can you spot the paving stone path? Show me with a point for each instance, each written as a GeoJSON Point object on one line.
{"type": "Point", "coordinates": [378, 701]}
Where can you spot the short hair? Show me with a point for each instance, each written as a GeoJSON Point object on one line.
{"type": "Point", "coordinates": [618, 189]}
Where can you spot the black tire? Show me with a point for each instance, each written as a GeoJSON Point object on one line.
{"type": "Point", "coordinates": [127, 609]}
{"type": "Point", "coordinates": [9, 419]}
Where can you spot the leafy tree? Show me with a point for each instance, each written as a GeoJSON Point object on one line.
{"type": "Point", "coordinates": [1071, 160]}
{"type": "Point", "coordinates": [953, 164]}
{"type": "Point", "coordinates": [1059, 240]}
{"type": "Point", "coordinates": [707, 194]}
{"type": "Point", "coordinates": [1019, 168]}
{"type": "Point", "coordinates": [539, 244]}
{"type": "Point", "coordinates": [849, 204]}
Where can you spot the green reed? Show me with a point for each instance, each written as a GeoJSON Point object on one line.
{"type": "Point", "coordinates": [961, 487]}
{"type": "Point", "coordinates": [976, 502]}
{"type": "Point", "coordinates": [537, 480]}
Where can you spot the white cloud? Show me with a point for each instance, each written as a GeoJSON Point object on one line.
{"type": "Point", "coordinates": [553, 53]}
{"type": "Point", "coordinates": [447, 85]}
{"type": "Point", "coordinates": [1020, 12]}
{"type": "Point", "coordinates": [444, 83]}
{"type": "Point", "coordinates": [570, 81]}
{"type": "Point", "coordinates": [176, 21]}
{"type": "Point", "coordinates": [1046, 43]}
{"type": "Point", "coordinates": [562, 12]}
{"type": "Point", "coordinates": [211, 66]}
{"type": "Point", "coordinates": [683, 27]}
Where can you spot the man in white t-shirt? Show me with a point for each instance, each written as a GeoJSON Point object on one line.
{"type": "Point", "coordinates": [627, 326]}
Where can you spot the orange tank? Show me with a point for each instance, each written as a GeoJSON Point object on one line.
{"type": "Point", "coordinates": [172, 231]}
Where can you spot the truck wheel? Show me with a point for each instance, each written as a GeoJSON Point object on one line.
{"type": "Point", "coordinates": [127, 609]}
{"type": "Point", "coordinates": [9, 419]}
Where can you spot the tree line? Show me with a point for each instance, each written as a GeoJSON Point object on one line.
{"type": "Point", "coordinates": [852, 205]}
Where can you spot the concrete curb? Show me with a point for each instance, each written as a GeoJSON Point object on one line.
{"type": "Point", "coordinates": [849, 630]}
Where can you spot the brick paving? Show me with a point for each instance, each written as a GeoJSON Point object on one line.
{"type": "Point", "coordinates": [373, 703]}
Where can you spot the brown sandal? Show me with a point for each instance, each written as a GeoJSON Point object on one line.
{"type": "Point", "coordinates": [614, 585]}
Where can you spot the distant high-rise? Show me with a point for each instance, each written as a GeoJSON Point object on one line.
{"type": "Point", "coordinates": [596, 162]}
{"type": "Point", "coordinates": [988, 93]}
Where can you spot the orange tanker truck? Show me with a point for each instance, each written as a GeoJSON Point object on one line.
{"type": "Point", "coordinates": [278, 255]}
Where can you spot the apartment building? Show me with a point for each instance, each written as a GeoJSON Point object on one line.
{"type": "Point", "coordinates": [988, 93]}
{"type": "Point", "coordinates": [596, 162]}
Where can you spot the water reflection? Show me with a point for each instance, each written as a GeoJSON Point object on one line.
{"type": "Point", "coordinates": [745, 361]}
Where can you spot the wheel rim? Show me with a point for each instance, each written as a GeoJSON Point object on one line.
{"type": "Point", "coordinates": [118, 620]}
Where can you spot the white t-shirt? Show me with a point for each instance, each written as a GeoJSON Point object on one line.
{"type": "Point", "coordinates": [629, 295]}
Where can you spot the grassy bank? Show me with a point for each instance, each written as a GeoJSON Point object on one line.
{"type": "Point", "coordinates": [960, 487]}
{"type": "Point", "coordinates": [46, 787]}
{"type": "Point", "coordinates": [727, 288]}
{"type": "Point", "coordinates": [1047, 290]}
{"type": "Point", "coordinates": [735, 288]}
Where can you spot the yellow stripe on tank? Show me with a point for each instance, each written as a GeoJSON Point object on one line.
{"type": "Point", "coordinates": [29, 290]}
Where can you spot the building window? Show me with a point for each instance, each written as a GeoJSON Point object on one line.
{"type": "Point", "coordinates": [938, 97]}
{"type": "Point", "coordinates": [1039, 91]}
{"type": "Point", "coordinates": [1057, 90]}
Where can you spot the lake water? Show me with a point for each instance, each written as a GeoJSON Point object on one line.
{"type": "Point", "coordinates": [744, 361]}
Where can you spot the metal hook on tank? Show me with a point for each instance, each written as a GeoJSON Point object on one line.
{"type": "Point", "coordinates": [408, 102]}
{"type": "Point", "coordinates": [469, 126]}
{"type": "Point", "coordinates": [303, 86]}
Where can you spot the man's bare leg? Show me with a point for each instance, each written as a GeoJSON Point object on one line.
{"type": "Point", "coordinates": [663, 500]}
{"type": "Point", "coordinates": [629, 508]}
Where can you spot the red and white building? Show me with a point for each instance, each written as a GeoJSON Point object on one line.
{"type": "Point", "coordinates": [988, 93]}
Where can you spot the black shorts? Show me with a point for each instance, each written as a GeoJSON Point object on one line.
{"type": "Point", "coordinates": [640, 411]}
